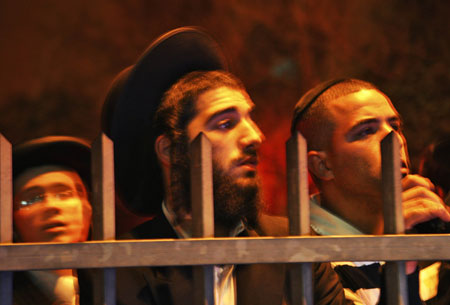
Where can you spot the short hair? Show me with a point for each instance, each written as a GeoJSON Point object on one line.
{"type": "Point", "coordinates": [311, 115]}
{"type": "Point", "coordinates": [435, 164]}
{"type": "Point", "coordinates": [177, 107]}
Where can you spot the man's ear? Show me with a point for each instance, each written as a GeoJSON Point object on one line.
{"type": "Point", "coordinates": [162, 149]}
{"type": "Point", "coordinates": [318, 164]}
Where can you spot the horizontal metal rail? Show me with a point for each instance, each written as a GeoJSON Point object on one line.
{"type": "Point", "coordinates": [176, 252]}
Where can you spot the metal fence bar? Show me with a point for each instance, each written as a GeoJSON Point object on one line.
{"type": "Point", "coordinates": [103, 216]}
{"type": "Point", "coordinates": [300, 275]}
{"type": "Point", "coordinates": [395, 275]}
{"type": "Point", "coordinates": [6, 213]}
{"type": "Point", "coordinates": [202, 214]}
{"type": "Point", "coordinates": [208, 251]}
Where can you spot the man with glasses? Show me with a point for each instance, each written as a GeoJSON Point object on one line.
{"type": "Point", "coordinates": [51, 178]}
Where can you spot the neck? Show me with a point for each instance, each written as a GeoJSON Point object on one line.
{"type": "Point", "coordinates": [63, 272]}
{"type": "Point", "coordinates": [363, 212]}
{"type": "Point", "coordinates": [183, 224]}
{"type": "Point", "coordinates": [225, 231]}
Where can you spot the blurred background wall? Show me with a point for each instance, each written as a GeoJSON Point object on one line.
{"type": "Point", "coordinates": [58, 58]}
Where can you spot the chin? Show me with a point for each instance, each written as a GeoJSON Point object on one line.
{"type": "Point", "coordinates": [247, 181]}
{"type": "Point", "coordinates": [65, 239]}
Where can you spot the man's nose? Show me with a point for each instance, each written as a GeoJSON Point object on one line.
{"type": "Point", "coordinates": [401, 141]}
{"type": "Point", "coordinates": [52, 205]}
{"type": "Point", "coordinates": [252, 135]}
{"type": "Point", "coordinates": [388, 129]}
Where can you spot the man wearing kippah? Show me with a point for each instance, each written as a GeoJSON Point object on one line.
{"type": "Point", "coordinates": [177, 89]}
{"type": "Point", "coordinates": [344, 122]}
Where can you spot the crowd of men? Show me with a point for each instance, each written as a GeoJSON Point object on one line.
{"type": "Point", "coordinates": [181, 87]}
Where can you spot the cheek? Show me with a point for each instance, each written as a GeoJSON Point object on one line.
{"type": "Point", "coordinates": [222, 152]}
{"type": "Point", "coordinates": [87, 211]}
{"type": "Point", "coordinates": [359, 158]}
{"type": "Point", "coordinates": [26, 218]}
{"type": "Point", "coordinates": [26, 225]}
{"type": "Point", "coordinates": [78, 213]}
{"type": "Point", "coordinates": [74, 211]}
{"type": "Point", "coordinates": [87, 218]}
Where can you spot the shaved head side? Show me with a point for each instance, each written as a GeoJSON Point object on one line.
{"type": "Point", "coordinates": [316, 123]}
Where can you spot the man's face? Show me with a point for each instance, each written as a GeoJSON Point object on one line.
{"type": "Point", "coordinates": [51, 206]}
{"type": "Point", "coordinates": [362, 120]}
{"type": "Point", "coordinates": [223, 115]}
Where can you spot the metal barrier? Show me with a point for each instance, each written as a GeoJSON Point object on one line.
{"type": "Point", "coordinates": [104, 253]}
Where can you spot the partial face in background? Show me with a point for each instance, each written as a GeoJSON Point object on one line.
{"type": "Point", "coordinates": [51, 205]}
{"type": "Point", "coordinates": [362, 120]}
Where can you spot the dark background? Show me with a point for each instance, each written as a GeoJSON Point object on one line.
{"type": "Point", "coordinates": [57, 59]}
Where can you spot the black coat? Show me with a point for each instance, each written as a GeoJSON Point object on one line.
{"type": "Point", "coordinates": [257, 284]}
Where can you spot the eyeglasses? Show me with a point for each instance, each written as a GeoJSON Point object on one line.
{"type": "Point", "coordinates": [39, 198]}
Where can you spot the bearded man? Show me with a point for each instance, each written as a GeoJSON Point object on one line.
{"type": "Point", "coordinates": [178, 89]}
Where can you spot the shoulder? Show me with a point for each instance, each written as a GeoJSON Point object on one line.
{"type": "Point", "coordinates": [156, 228]}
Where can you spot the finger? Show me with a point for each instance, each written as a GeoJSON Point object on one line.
{"type": "Point", "coordinates": [411, 181]}
{"type": "Point", "coordinates": [420, 210]}
{"type": "Point", "coordinates": [411, 267]}
{"type": "Point", "coordinates": [420, 192]}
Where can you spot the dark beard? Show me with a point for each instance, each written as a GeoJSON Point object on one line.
{"type": "Point", "coordinates": [232, 202]}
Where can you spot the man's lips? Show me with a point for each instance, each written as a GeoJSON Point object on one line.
{"type": "Point", "coordinates": [54, 225]}
{"type": "Point", "coordinates": [249, 161]}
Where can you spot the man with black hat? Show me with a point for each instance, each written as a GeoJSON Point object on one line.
{"type": "Point", "coordinates": [177, 89]}
{"type": "Point", "coordinates": [51, 204]}
{"type": "Point", "coordinates": [344, 122]}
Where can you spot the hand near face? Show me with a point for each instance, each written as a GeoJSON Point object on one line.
{"type": "Point", "coordinates": [420, 203]}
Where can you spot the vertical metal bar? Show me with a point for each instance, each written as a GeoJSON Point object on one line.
{"type": "Point", "coordinates": [297, 185]}
{"type": "Point", "coordinates": [202, 187]}
{"type": "Point", "coordinates": [395, 275]}
{"type": "Point", "coordinates": [300, 275]}
{"type": "Point", "coordinates": [6, 215]}
{"type": "Point", "coordinates": [103, 216]}
{"type": "Point", "coordinates": [202, 213]}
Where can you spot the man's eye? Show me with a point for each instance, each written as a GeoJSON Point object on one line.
{"type": "Point", "coordinates": [225, 124]}
{"type": "Point", "coordinates": [33, 200]}
{"type": "Point", "coordinates": [64, 195]}
{"type": "Point", "coordinates": [365, 132]}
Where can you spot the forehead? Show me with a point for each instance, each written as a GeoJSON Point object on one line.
{"type": "Point", "coordinates": [363, 104]}
{"type": "Point", "coordinates": [42, 177]}
{"type": "Point", "coordinates": [221, 98]}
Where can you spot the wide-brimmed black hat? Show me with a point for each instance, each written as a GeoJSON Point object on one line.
{"type": "Point", "coordinates": [132, 101]}
{"type": "Point", "coordinates": [70, 152]}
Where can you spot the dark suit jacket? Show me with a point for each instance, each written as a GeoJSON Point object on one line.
{"type": "Point", "coordinates": [257, 284]}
